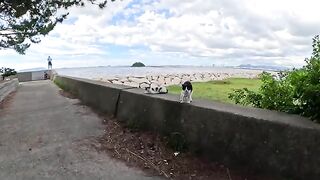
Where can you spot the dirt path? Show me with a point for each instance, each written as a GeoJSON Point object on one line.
{"type": "Point", "coordinates": [44, 135]}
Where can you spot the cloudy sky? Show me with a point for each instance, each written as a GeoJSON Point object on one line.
{"type": "Point", "coordinates": [176, 32]}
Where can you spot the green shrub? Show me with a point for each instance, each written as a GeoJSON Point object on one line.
{"type": "Point", "coordinates": [296, 91]}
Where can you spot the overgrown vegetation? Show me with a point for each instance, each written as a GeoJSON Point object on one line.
{"type": "Point", "coordinates": [296, 91]}
{"type": "Point", "coordinates": [6, 72]}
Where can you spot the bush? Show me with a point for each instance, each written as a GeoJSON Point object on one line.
{"type": "Point", "coordinates": [296, 91]}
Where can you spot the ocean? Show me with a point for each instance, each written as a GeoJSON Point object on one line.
{"type": "Point", "coordinates": [121, 71]}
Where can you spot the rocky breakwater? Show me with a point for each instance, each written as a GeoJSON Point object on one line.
{"type": "Point", "coordinates": [175, 79]}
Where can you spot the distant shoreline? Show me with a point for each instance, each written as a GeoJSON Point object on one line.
{"type": "Point", "coordinates": [247, 67]}
{"type": "Point", "coordinates": [160, 75]}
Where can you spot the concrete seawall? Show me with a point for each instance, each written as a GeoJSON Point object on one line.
{"type": "Point", "coordinates": [260, 140]}
{"type": "Point", "coordinates": [33, 75]}
{"type": "Point", "coordinates": [93, 93]}
{"type": "Point", "coordinates": [7, 87]}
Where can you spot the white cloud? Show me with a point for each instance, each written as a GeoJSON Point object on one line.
{"type": "Point", "coordinates": [260, 30]}
{"type": "Point", "coordinates": [229, 31]}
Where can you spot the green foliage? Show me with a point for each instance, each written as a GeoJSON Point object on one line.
{"type": "Point", "coordinates": [64, 86]}
{"type": "Point", "coordinates": [296, 91]}
{"type": "Point", "coordinates": [23, 22]}
{"type": "Point", "coordinates": [273, 94]}
{"type": "Point", "coordinates": [61, 85]}
{"type": "Point", "coordinates": [138, 64]}
{"type": "Point", "coordinates": [6, 72]}
{"type": "Point", "coordinates": [218, 90]}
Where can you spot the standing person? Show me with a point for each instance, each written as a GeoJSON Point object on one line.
{"type": "Point", "coordinates": [49, 62]}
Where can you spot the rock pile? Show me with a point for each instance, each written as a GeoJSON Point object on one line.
{"type": "Point", "coordinates": [175, 79]}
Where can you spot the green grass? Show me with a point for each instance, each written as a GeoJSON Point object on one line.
{"type": "Point", "coordinates": [218, 90]}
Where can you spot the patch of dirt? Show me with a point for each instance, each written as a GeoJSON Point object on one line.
{"type": "Point", "coordinates": [8, 100]}
{"type": "Point", "coordinates": [150, 152]}
{"type": "Point", "coordinates": [67, 94]}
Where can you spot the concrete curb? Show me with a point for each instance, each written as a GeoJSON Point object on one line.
{"type": "Point", "coordinates": [8, 87]}
{"type": "Point", "coordinates": [260, 140]}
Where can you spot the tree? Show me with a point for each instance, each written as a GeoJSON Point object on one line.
{"type": "Point", "coordinates": [296, 91]}
{"type": "Point", "coordinates": [6, 72]}
{"type": "Point", "coordinates": [23, 22]}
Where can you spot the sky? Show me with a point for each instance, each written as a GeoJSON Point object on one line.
{"type": "Point", "coordinates": [176, 32]}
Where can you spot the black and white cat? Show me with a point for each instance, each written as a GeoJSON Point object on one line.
{"type": "Point", "coordinates": [186, 93]}
{"type": "Point", "coordinates": [152, 88]}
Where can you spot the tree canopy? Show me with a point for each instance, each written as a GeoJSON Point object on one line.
{"type": "Point", "coordinates": [6, 72]}
{"type": "Point", "coordinates": [23, 22]}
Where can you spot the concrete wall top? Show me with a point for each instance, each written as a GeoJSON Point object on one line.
{"type": "Point", "coordinates": [257, 139]}
{"type": "Point", "coordinates": [257, 114]}
{"type": "Point", "coordinates": [3, 84]}
{"type": "Point", "coordinates": [263, 140]}
{"type": "Point", "coordinates": [103, 97]}
{"type": "Point", "coordinates": [7, 87]}
{"type": "Point", "coordinates": [37, 71]}
{"type": "Point", "coordinates": [109, 85]}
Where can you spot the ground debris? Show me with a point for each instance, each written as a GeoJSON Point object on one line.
{"type": "Point", "coordinates": [149, 152]}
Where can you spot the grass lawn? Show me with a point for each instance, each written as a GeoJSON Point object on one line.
{"type": "Point", "coordinates": [218, 90]}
